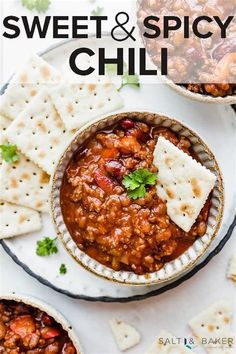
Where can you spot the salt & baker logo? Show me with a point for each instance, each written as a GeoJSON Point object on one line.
{"type": "Point", "coordinates": [187, 342]}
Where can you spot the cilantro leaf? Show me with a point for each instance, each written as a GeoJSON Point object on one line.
{"type": "Point", "coordinates": [63, 269]}
{"type": "Point", "coordinates": [46, 247]}
{"type": "Point", "coordinates": [138, 192]}
{"type": "Point", "coordinates": [144, 176]}
{"type": "Point", "coordinates": [129, 80]}
{"type": "Point", "coordinates": [38, 5]}
{"type": "Point", "coordinates": [98, 11]}
{"type": "Point", "coordinates": [130, 183]}
{"type": "Point", "coordinates": [136, 182]}
{"type": "Point", "coordinates": [9, 153]}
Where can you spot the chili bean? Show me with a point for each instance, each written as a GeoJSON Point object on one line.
{"type": "Point", "coordinates": [127, 124]}
{"type": "Point", "coordinates": [115, 169]}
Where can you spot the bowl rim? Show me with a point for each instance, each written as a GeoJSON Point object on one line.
{"type": "Point", "coordinates": [185, 268]}
{"type": "Point", "coordinates": [49, 309]}
{"type": "Point", "coordinates": [199, 97]}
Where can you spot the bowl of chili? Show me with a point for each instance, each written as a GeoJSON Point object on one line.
{"type": "Point", "coordinates": [213, 57]}
{"type": "Point", "coordinates": [127, 236]}
{"type": "Point", "coordinates": [29, 325]}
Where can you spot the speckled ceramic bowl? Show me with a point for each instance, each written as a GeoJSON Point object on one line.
{"type": "Point", "coordinates": [55, 314]}
{"type": "Point", "coordinates": [172, 269]}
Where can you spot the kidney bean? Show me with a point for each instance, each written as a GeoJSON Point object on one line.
{"type": "Point", "coordinates": [115, 169]}
{"type": "Point", "coordinates": [127, 124]}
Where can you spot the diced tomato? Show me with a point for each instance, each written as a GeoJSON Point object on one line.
{"type": "Point", "coordinates": [110, 153]}
{"type": "Point", "coordinates": [50, 332]}
{"type": "Point", "coordinates": [23, 325]}
{"type": "Point", "coordinates": [129, 144]}
{"type": "Point", "coordinates": [104, 182]}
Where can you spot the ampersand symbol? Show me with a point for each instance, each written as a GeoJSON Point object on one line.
{"type": "Point", "coordinates": [121, 25]}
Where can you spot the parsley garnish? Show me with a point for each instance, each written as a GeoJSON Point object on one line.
{"type": "Point", "coordinates": [63, 269]}
{"type": "Point", "coordinates": [136, 182]}
{"type": "Point", "coordinates": [9, 153]}
{"type": "Point", "coordinates": [98, 11]}
{"type": "Point", "coordinates": [46, 247]}
{"type": "Point", "coordinates": [129, 80]}
{"type": "Point", "coordinates": [38, 5]}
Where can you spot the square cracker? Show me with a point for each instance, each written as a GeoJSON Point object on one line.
{"type": "Point", "coordinates": [78, 104]}
{"type": "Point", "coordinates": [125, 335]}
{"type": "Point", "coordinates": [39, 132]}
{"type": "Point", "coordinates": [25, 184]}
{"type": "Point", "coordinates": [214, 323]}
{"type": "Point", "coordinates": [16, 220]}
{"type": "Point", "coordinates": [25, 85]}
{"type": "Point", "coordinates": [183, 182]}
{"type": "Point", "coordinates": [164, 344]}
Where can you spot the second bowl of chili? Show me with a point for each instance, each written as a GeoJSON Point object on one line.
{"type": "Point", "coordinates": [121, 236]}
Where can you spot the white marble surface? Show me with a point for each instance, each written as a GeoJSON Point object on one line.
{"type": "Point", "coordinates": [170, 311]}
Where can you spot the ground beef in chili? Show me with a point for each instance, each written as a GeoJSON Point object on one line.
{"type": "Point", "coordinates": [27, 330]}
{"type": "Point", "coordinates": [117, 231]}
